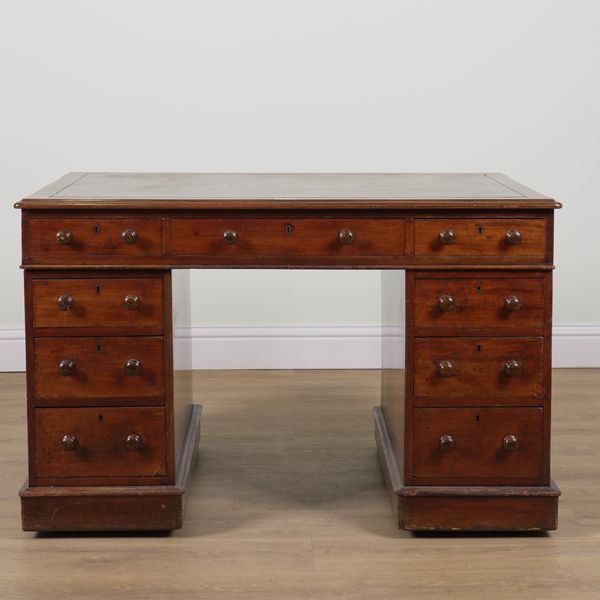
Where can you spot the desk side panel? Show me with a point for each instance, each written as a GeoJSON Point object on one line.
{"type": "Point", "coordinates": [392, 357]}
{"type": "Point", "coordinates": [181, 356]}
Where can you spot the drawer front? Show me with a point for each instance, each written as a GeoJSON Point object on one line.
{"type": "Point", "coordinates": [479, 306]}
{"type": "Point", "coordinates": [293, 237]}
{"type": "Point", "coordinates": [70, 238]}
{"type": "Point", "coordinates": [100, 442]}
{"type": "Point", "coordinates": [71, 368]}
{"type": "Point", "coordinates": [472, 445]}
{"type": "Point", "coordinates": [478, 371]}
{"type": "Point", "coordinates": [97, 302]}
{"type": "Point", "coordinates": [481, 237]}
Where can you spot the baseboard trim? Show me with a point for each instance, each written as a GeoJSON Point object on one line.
{"type": "Point", "coordinates": [314, 347]}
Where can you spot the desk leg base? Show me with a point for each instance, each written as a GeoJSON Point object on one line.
{"type": "Point", "coordinates": [463, 508]}
{"type": "Point", "coordinates": [113, 508]}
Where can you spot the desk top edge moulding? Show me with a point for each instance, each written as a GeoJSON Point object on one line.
{"type": "Point", "coordinates": [463, 428]}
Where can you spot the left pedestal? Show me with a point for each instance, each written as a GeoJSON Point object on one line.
{"type": "Point", "coordinates": [112, 429]}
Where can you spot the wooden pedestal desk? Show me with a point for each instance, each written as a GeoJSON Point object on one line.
{"type": "Point", "coordinates": [463, 429]}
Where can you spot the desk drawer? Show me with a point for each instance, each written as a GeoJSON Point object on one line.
{"type": "Point", "coordinates": [72, 238]}
{"type": "Point", "coordinates": [287, 237]}
{"type": "Point", "coordinates": [478, 446]}
{"type": "Point", "coordinates": [82, 369]}
{"type": "Point", "coordinates": [479, 306]}
{"type": "Point", "coordinates": [100, 442]}
{"type": "Point", "coordinates": [481, 237]}
{"type": "Point", "coordinates": [454, 371]}
{"type": "Point", "coordinates": [100, 302]}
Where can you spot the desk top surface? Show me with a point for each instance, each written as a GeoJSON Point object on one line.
{"type": "Point", "coordinates": [286, 191]}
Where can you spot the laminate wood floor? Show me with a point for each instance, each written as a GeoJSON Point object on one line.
{"type": "Point", "coordinates": [287, 501]}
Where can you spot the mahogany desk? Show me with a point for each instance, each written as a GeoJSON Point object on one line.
{"type": "Point", "coordinates": [463, 431]}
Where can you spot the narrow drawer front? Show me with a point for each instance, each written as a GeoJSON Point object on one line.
{"type": "Point", "coordinates": [97, 302]}
{"type": "Point", "coordinates": [100, 442]}
{"type": "Point", "coordinates": [293, 237]}
{"type": "Point", "coordinates": [482, 306]}
{"type": "Point", "coordinates": [98, 367]}
{"type": "Point", "coordinates": [70, 238]}
{"type": "Point", "coordinates": [481, 237]}
{"type": "Point", "coordinates": [478, 371]}
{"type": "Point", "coordinates": [468, 445]}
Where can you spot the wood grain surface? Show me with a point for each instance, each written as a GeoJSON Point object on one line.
{"type": "Point", "coordinates": [100, 449]}
{"type": "Point", "coordinates": [98, 302]}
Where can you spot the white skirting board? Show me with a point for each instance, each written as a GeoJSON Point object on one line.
{"type": "Point", "coordinates": [318, 347]}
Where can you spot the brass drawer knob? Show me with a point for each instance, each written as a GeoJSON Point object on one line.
{"type": "Point", "coordinates": [446, 302]}
{"type": "Point", "coordinates": [446, 368]}
{"type": "Point", "coordinates": [131, 301]}
{"type": "Point", "coordinates": [513, 368]}
{"type": "Point", "coordinates": [129, 236]}
{"type": "Point", "coordinates": [230, 236]}
{"type": "Point", "coordinates": [133, 441]}
{"type": "Point", "coordinates": [133, 366]}
{"type": "Point", "coordinates": [65, 302]}
{"type": "Point", "coordinates": [69, 442]}
{"type": "Point", "coordinates": [510, 443]}
{"type": "Point", "coordinates": [446, 237]}
{"type": "Point", "coordinates": [446, 443]}
{"type": "Point", "coordinates": [66, 367]}
{"type": "Point", "coordinates": [345, 237]}
{"type": "Point", "coordinates": [513, 237]}
{"type": "Point", "coordinates": [64, 237]}
{"type": "Point", "coordinates": [512, 303]}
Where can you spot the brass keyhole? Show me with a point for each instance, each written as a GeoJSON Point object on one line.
{"type": "Point", "coordinates": [480, 230]}
{"type": "Point", "coordinates": [288, 230]}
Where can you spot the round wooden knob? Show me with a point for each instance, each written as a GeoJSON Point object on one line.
{"type": "Point", "coordinates": [133, 441]}
{"type": "Point", "coordinates": [65, 302]}
{"type": "Point", "coordinates": [446, 368]}
{"type": "Point", "coordinates": [513, 368]}
{"type": "Point", "coordinates": [230, 237]}
{"type": "Point", "coordinates": [510, 443]}
{"type": "Point", "coordinates": [446, 443]}
{"type": "Point", "coordinates": [446, 237]}
{"type": "Point", "coordinates": [66, 367]}
{"type": "Point", "coordinates": [69, 441]}
{"type": "Point", "coordinates": [131, 301]}
{"type": "Point", "coordinates": [446, 302]}
{"type": "Point", "coordinates": [512, 303]}
{"type": "Point", "coordinates": [133, 366]}
{"type": "Point", "coordinates": [64, 237]}
{"type": "Point", "coordinates": [129, 236]}
{"type": "Point", "coordinates": [345, 237]}
{"type": "Point", "coordinates": [513, 237]}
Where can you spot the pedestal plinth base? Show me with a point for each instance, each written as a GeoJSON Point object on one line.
{"type": "Point", "coordinates": [113, 508]}
{"type": "Point", "coordinates": [463, 508]}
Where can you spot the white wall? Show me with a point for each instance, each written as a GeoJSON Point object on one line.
{"type": "Point", "coordinates": [311, 85]}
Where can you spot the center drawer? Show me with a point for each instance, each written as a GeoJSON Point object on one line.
{"type": "Point", "coordinates": [478, 446]}
{"type": "Point", "coordinates": [100, 442]}
{"type": "Point", "coordinates": [83, 369]}
{"type": "Point", "coordinates": [287, 237]}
